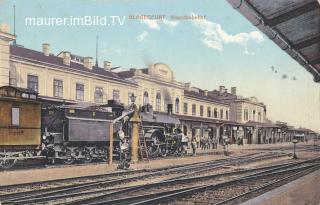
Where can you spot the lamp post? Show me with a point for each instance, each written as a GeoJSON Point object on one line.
{"type": "Point", "coordinates": [225, 145]}
{"type": "Point", "coordinates": [294, 148]}
{"type": "Point", "coordinates": [135, 120]}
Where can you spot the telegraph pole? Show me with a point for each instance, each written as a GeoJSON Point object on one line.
{"type": "Point", "coordinates": [14, 23]}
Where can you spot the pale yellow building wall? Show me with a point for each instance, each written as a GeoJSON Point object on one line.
{"type": "Point", "coordinates": [46, 76]}
{"type": "Point", "coordinates": [205, 105]}
{"type": "Point", "coordinates": [153, 87]}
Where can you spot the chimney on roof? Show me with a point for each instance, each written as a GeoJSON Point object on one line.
{"type": "Point", "coordinates": [4, 28]}
{"type": "Point", "coordinates": [66, 56]}
{"type": "Point", "coordinates": [221, 89]}
{"type": "Point", "coordinates": [187, 86]}
{"type": "Point", "coordinates": [46, 49]}
{"type": "Point", "coordinates": [234, 90]}
{"type": "Point", "coordinates": [205, 92]}
{"type": "Point", "coordinates": [107, 65]}
{"type": "Point", "coordinates": [87, 62]}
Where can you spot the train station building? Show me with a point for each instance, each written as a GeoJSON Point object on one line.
{"type": "Point", "coordinates": [70, 78]}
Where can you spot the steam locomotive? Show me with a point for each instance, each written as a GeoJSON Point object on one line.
{"type": "Point", "coordinates": [31, 128]}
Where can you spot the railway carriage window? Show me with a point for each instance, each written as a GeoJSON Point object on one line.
{"type": "Point", "coordinates": [79, 91]}
{"type": "Point", "coordinates": [15, 116]}
{"type": "Point", "coordinates": [201, 110]}
{"type": "Point", "coordinates": [58, 88]}
{"type": "Point", "coordinates": [185, 108]}
{"type": "Point", "coordinates": [158, 102]}
{"type": "Point", "coordinates": [116, 95]}
{"type": "Point", "coordinates": [177, 105]}
{"type": "Point", "coordinates": [34, 97]}
{"type": "Point", "coordinates": [98, 95]}
{"type": "Point", "coordinates": [194, 109]}
{"type": "Point", "coordinates": [145, 98]}
{"type": "Point", "coordinates": [25, 95]}
{"type": "Point", "coordinates": [32, 82]}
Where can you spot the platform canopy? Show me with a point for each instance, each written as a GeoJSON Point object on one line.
{"type": "Point", "coordinates": [294, 25]}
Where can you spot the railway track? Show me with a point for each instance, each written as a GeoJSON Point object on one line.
{"type": "Point", "coordinates": [41, 163]}
{"type": "Point", "coordinates": [101, 184]}
{"type": "Point", "coordinates": [211, 191]}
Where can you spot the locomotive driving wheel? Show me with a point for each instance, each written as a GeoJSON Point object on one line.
{"type": "Point", "coordinates": [105, 156]}
{"type": "Point", "coordinates": [69, 159]}
{"type": "Point", "coordinates": [87, 157]}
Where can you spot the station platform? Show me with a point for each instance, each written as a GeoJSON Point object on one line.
{"type": "Point", "coordinates": [303, 191]}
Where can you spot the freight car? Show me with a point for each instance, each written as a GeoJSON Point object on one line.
{"type": "Point", "coordinates": [20, 125]}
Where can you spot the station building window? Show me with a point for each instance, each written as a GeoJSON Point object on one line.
{"type": "Point", "coordinates": [58, 88]}
{"type": "Point", "coordinates": [254, 115]}
{"type": "Point", "coordinates": [221, 114]}
{"type": "Point", "coordinates": [98, 95]}
{"type": "Point", "coordinates": [227, 115]}
{"type": "Point", "coordinates": [79, 91]}
{"type": "Point", "coordinates": [145, 98]}
{"type": "Point", "coordinates": [194, 109]}
{"type": "Point", "coordinates": [158, 101]}
{"type": "Point", "coordinates": [209, 112]}
{"type": "Point", "coordinates": [246, 114]}
{"type": "Point", "coordinates": [33, 82]}
{"type": "Point", "coordinates": [201, 110]}
{"type": "Point", "coordinates": [177, 105]}
{"type": "Point", "coordinates": [259, 116]}
{"type": "Point", "coordinates": [215, 113]}
{"type": "Point", "coordinates": [116, 95]}
{"type": "Point", "coordinates": [129, 98]}
{"type": "Point", "coordinates": [185, 108]}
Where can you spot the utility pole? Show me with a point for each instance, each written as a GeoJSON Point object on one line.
{"type": "Point", "coordinates": [14, 23]}
{"type": "Point", "coordinates": [97, 39]}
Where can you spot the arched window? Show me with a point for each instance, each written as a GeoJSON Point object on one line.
{"type": "Point", "coordinates": [259, 116]}
{"type": "Point", "coordinates": [145, 98]}
{"type": "Point", "coordinates": [158, 102]}
{"type": "Point", "coordinates": [177, 108]}
{"type": "Point", "coordinates": [254, 115]}
{"type": "Point", "coordinates": [221, 114]}
{"type": "Point", "coordinates": [209, 112]}
{"type": "Point", "coordinates": [215, 113]}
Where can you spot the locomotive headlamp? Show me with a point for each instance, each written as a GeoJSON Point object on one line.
{"type": "Point", "coordinates": [44, 137]}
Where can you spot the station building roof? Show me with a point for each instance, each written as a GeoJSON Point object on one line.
{"type": "Point", "coordinates": [37, 56]}
{"type": "Point", "coordinates": [294, 25]}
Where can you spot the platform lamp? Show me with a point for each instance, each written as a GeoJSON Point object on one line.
{"type": "Point", "coordinates": [135, 120]}
{"type": "Point", "coordinates": [295, 141]}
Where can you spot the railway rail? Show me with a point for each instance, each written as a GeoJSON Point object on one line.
{"type": "Point", "coordinates": [106, 183]}
{"type": "Point", "coordinates": [242, 183]}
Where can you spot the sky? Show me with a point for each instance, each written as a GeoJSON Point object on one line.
{"type": "Point", "coordinates": [222, 49]}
